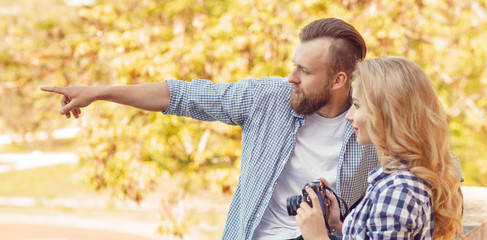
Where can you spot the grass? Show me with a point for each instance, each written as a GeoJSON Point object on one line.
{"type": "Point", "coordinates": [52, 182]}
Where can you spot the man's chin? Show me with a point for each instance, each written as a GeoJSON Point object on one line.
{"type": "Point", "coordinates": [295, 106]}
{"type": "Point", "coordinates": [300, 110]}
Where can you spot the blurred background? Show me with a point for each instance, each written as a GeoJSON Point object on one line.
{"type": "Point", "coordinates": [135, 172]}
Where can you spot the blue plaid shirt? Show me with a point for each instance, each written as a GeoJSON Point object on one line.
{"type": "Point", "coordinates": [396, 206]}
{"type": "Point", "coordinates": [269, 127]}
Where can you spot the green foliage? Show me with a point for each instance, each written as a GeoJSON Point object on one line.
{"type": "Point", "coordinates": [129, 42]}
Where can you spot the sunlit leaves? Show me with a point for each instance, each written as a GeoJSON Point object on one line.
{"type": "Point", "coordinates": [130, 42]}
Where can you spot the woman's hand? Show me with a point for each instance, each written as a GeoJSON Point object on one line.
{"type": "Point", "coordinates": [310, 219]}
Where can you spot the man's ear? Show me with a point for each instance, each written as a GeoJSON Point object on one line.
{"type": "Point", "coordinates": [340, 80]}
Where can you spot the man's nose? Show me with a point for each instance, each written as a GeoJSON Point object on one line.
{"type": "Point", "coordinates": [293, 78]}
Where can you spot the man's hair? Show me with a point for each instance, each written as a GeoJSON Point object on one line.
{"type": "Point", "coordinates": [347, 46]}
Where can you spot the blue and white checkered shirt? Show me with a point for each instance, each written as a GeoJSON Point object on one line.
{"type": "Point", "coordinates": [269, 127]}
{"type": "Point", "coordinates": [396, 206]}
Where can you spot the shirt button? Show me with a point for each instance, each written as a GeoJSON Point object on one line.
{"type": "Point", "coordinates": [258, 215]}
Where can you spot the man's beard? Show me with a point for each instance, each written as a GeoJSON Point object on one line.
{"type": "Point", "coordinates": [306, 104]}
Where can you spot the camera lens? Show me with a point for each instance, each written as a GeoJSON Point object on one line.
{"type": "Point", "coordinates": [292, 204]}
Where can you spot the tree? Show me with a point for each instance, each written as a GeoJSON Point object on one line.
{"type": "Point", "coordinates": [129, 42]}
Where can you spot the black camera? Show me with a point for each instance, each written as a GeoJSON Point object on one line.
{"type": "Point", "coordinates": [293, 202]}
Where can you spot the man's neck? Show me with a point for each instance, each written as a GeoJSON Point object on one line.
{"type": "Point", "coordinates": [334, 108]}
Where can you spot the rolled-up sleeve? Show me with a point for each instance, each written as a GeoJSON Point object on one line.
{"type": "Point", "coordinates": [203, 100]}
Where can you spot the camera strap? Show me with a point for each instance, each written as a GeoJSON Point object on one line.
{"type": "Point", "coordinates": [324, 209]}
{"type": "Point", "coordinates": [342, 205]}
{"type": "Point", "coordinates": [350, 209]}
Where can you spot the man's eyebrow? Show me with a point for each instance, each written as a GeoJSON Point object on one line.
{"type": "Point", "coordinates": [300, 65]}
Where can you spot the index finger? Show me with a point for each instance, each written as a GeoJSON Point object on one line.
{"type": "Point", "coordinates": [332, 197]}
{"type": "Point", "coordinates": [53, 89]}
{"type": "Point", "coordinates": [313, 197]}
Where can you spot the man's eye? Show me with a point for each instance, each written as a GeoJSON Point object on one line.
{"type": "Point", "coordinates": [355, 105]}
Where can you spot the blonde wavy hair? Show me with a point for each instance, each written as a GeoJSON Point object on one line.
{"type": "Point", "coordinates": [407, 124]}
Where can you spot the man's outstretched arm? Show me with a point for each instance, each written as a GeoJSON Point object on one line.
{"type": "Point", "coordinates": [149, 96]}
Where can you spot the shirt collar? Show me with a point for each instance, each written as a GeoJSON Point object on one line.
{"type": "Point", "coordinates": [297, 115]}
{"type": "Point", "coordinates": [375, 175]}
{"type": "Point", "coordinates": [378, 173]}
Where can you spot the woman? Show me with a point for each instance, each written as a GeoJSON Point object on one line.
{"type": "Point", "coordinates": [414, 193]}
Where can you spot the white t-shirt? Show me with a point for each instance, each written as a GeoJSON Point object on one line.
{"type": "Point", "coordinates": [315, 156]}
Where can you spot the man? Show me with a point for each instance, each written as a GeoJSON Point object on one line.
{"type": "Point", "coordinates": [293, 131]}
